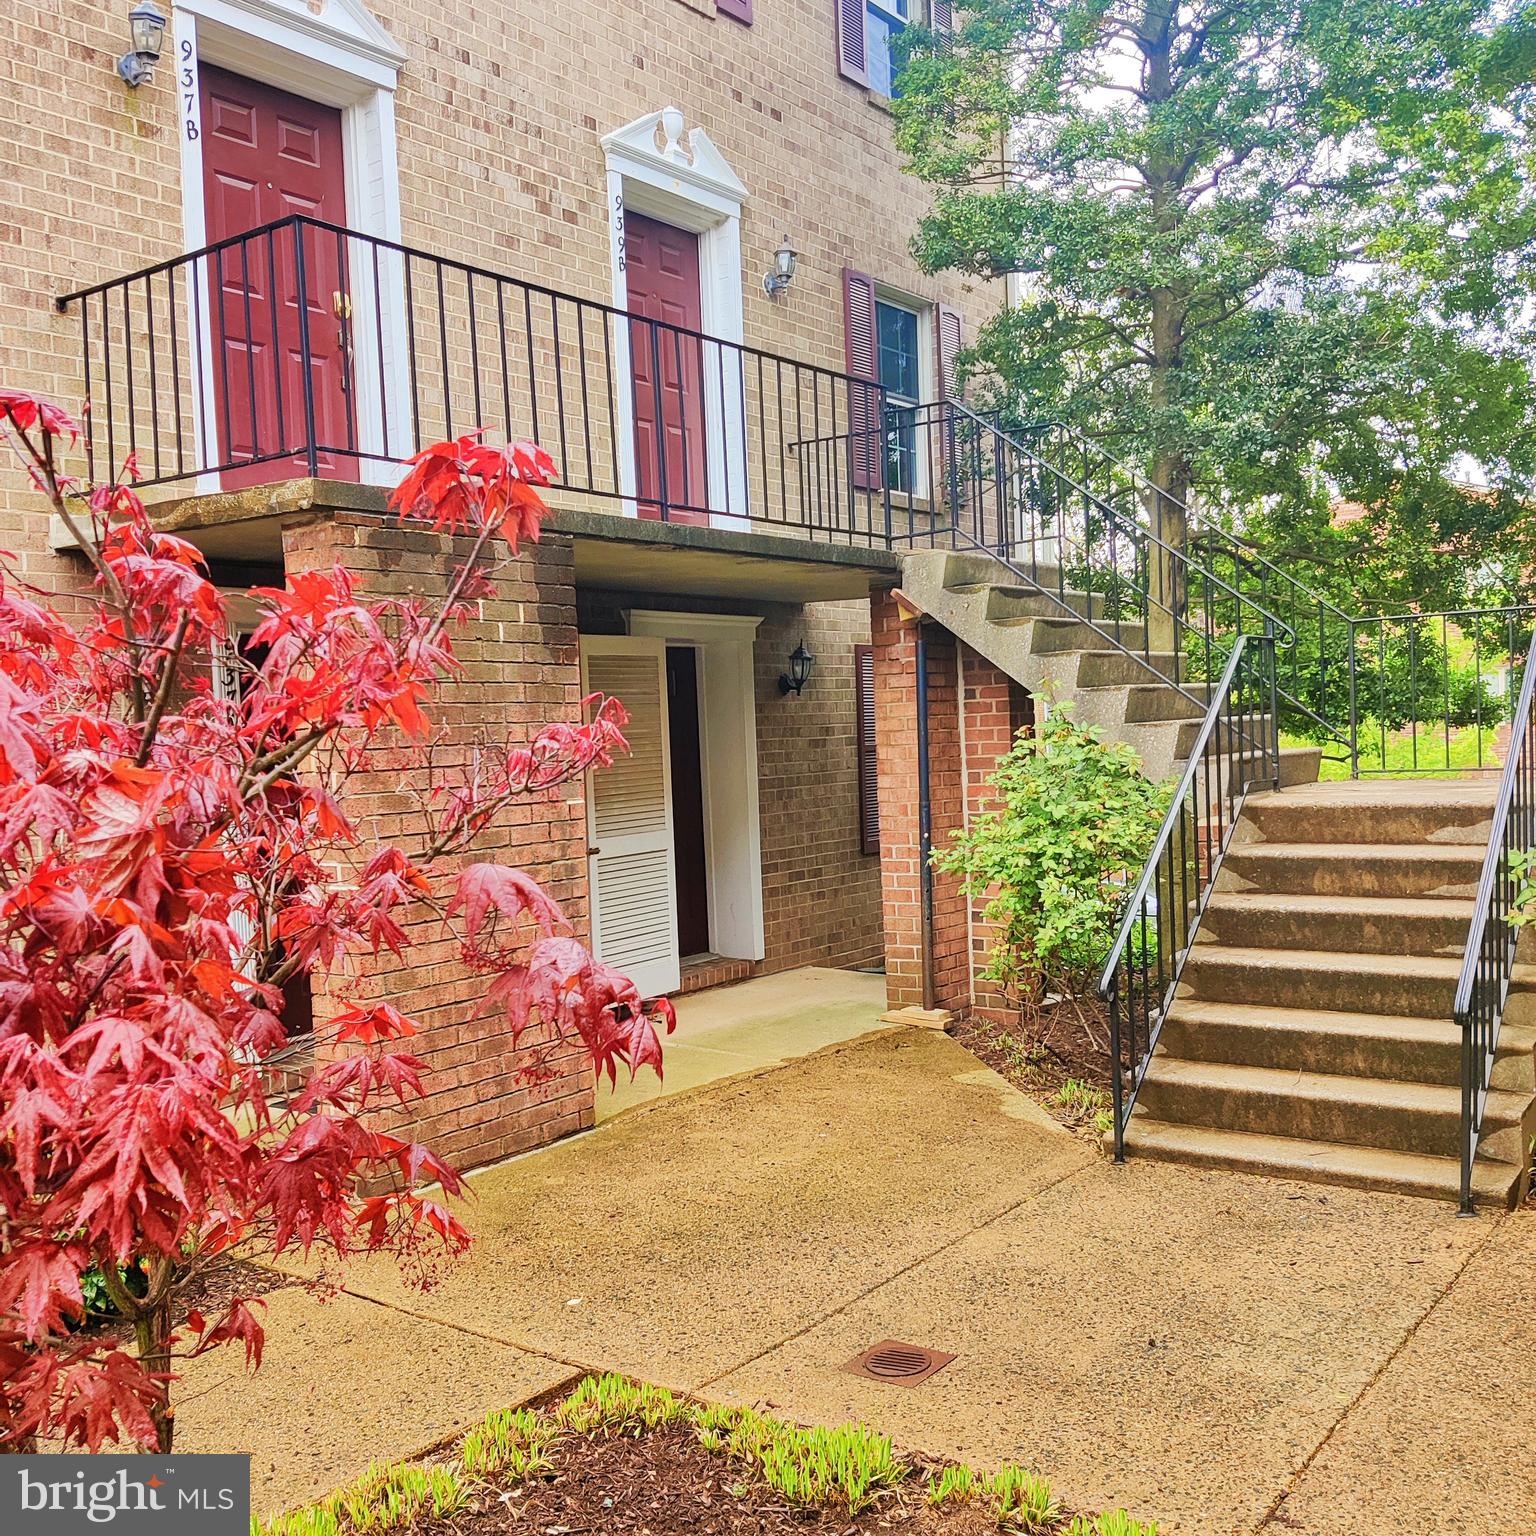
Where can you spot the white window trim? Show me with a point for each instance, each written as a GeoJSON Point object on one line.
{"type": "Point", "coordinates": [728, 756]}
{"type": "Point", "coordinates": [342, 58]}
{"type": "Point", "coordinates": [656, 167]}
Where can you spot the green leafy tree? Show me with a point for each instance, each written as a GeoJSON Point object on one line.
{"type": "Point", "coordinates": [1275, 250]}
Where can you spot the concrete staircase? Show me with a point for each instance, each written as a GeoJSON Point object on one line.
{"type": "Point", "coordinates": [1027, 634]}
{"type": "Point", "coordinates": [1311, 1035]}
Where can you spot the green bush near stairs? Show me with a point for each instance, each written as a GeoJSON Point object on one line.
{"type": "Point", "coordinates": [847, 1469]}
{"type": "Point", "coordinates": [1069, 821]}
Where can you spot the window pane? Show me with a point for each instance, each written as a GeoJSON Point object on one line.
{"type": "Point", "coordinates": [878, 31]}
{"type": "Point", "coordinates": [896, 331]}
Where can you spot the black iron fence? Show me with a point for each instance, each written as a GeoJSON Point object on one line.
{"type": "Point", "coordinates": [1236, 751]}
{"type": "Point", "coordinates": [1489, 960]}
{"type": "Point", "coordinates": [302, 348]}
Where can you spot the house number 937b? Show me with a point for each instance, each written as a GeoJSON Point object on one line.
{"type": "Point", "coordinates": [188, 83]}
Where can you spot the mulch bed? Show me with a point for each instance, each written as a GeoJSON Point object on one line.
{"type": "Point", "coordinates": [209, 1292]}
{"type": "Point", "coordinates": [1039, 1056]}
{"type": "Point", "coordinates": [664, 1483]}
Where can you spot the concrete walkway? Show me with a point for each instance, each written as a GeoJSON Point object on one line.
{"type": "Point", "coordinates": [1221, 1353]}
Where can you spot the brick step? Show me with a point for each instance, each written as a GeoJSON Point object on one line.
{"type": "Point", "coordinates": [1411, 986]}
{"type": "Point", "coordinates": [1357, 869]}
{"type": "Point", "coordinates": [1342, 1044]}
{"type": "Point", "coordinates": [1422, 925]}
{"type": "Point", "coordinates": [1286, 1157]}
{"type": "Point", "coordinates": [1411, 811]}
{"type": "Point", "coordinates": [1379, 1113]}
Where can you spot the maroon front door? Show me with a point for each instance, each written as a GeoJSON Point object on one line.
{"type": "Point", "coordinates": [661, 269]}
{"type": "Point", "coordinates": [267, 155]}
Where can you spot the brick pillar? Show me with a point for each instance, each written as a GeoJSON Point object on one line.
{"type": "Point", "coordinates": [520, 668]}
{"type": "Point", "coordinates": [895, 649]}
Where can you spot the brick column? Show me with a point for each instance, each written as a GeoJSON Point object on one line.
{"type": "Point", "coordinates": [520, 668]}
{"type": "Point", "coordinates": [895, 648]}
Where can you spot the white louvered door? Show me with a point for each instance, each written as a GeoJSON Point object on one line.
{"type": "Point", "coordinates": [629, 817]}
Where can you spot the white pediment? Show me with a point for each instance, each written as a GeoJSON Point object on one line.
{"type": "Point", "coordinates": [662, 143]}
{"type": "Point", "coordinates": [346, 26]}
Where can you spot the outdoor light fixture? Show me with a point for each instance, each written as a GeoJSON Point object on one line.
{"type": "Point", "coordinates": [783, 274]}
{"type": "Point", "coordinates": [800, 663]}
{"type": "Point", "coordinates": [146, 26]}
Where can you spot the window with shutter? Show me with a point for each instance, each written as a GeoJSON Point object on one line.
{"type": "Point", "coordinates": [852, 55]}
{"type": "Point", "coordinates": [859, 347]}
{"type": "Point", "coordinates": [869, 790]}
{"type": "Point", "coordinates": [865, 29]}
{"type": "Point", "coordinates": [737, 10]}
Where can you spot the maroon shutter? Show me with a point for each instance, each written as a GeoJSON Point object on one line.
{"type": "Point", "coordinates": [737, 10]}
{"type": "Point", "coordinates": [950, 334]}
{"type": "Point", "coordinates": [869, 778]}
{"type": "Point", "coordinates": [852, 54]}
{"type": "Point", "coordinates": [864, 449]}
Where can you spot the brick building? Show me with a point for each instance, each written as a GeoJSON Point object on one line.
{"type": "Point", "coordinates": [324, 233]}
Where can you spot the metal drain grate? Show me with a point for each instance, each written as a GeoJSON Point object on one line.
{"type": "Point", "coordinates": [900, 1364]}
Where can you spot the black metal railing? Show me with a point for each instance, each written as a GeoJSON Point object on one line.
{"type": "Point", "coordinates": [1425, 692]}
{"type": "Point", "coordinates": [1237, 750]}
{"type": "Point", "coordinates": [957, 480]}
{"type": "Point", "coordinates": [302, 348]}
{"type": "Point", "coordinates": [1489, 960]}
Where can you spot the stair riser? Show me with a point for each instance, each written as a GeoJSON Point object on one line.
{"type": "Point", "coordinates": [1392, 1127]}
{"type": "Point", "coordinates": [1333, 991]}
{"type": "Point", "coordinates": [1010, 606]}
{"type": "Point", "coordinates": [1304, 1050]}
{"type": "Point", "coordinates": [1109, 669]}
{"type": "Point", "coordinates": [1453, 874]}
{"type": "Point", "coordinates": [1495, 1186]}
{"type": "Point", "coordinates": [1354, 932]}
{"type": "Point", "coordinates": [1052, 635]}
{"type": "Point", "coordinates": [1280, 820]}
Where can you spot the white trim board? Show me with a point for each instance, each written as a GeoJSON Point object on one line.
{"type": "Point", "coordinates": [728, 753]}
{"type": "Point", "coordinates": [340, 57]}
{"type": "Point", "coordinates": [660, 168]}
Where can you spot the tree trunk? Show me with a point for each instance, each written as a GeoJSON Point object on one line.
{"type": "Point", "coordinates": [152, 1333]}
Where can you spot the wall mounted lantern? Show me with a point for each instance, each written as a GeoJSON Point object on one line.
{"type": "Point", "coordinates": [800, 663]}
{"type": "Point", "coordinates": [146, 27]}
{"type": "Point", "coordinates": [783, 274]}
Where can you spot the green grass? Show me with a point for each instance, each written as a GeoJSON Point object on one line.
{"type": "Point", "coordinates": [1428, 753]}
{"type": "Point", "coordinates": [847, 1469]}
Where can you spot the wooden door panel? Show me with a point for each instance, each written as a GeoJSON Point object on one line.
{"type": "Point", "coordinates": [662, 275]}
{"type": "Point", "coordinates": [268, 155]}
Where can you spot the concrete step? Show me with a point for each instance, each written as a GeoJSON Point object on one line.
{"type": "Point", "coordinates": [1413, 811]}
{"type": "Point", "coordinates": [1010, 603]}
{"type": "Point", "coordinates": [1379, 1113]}
{"type": "Point", "coordinates": [1285, 1157]}
{"type": "Point", "coordinates": [1299, 765]}
{"type": "Point", "coordinates": [1409, 986]}
{"type": "Point", "coordinates": [1384, 1045]}
{"type": "Point", "coordinates": [1143, 702]}
{"type": "Point", "coordinates": [1357, 869]}
{"type": "Point", "coordinates": [1101, 669]}
{"type": "Point", "coordinates": [1312, 1040]}
{"type": "Point", "coordinates": [1424, 925]}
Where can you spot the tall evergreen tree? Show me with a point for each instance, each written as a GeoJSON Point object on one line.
{"type": "Point", "coordinates": [1275, 250]}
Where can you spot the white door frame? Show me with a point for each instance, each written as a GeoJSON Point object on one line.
{"type": "Point", "coordinates": [340, 57]}
{"type": "Point", "coordinates": [658, 169]}
{"type": "Point", "coordinates": [728, 759]}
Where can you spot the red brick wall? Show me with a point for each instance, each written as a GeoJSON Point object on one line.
{"type": "Point", "coordinates": [973, 711]}
{"type": "Point", "coordinates": [520, 669]}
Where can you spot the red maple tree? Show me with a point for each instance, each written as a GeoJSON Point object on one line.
{"type": "Point", "coordinates": [173, 854]}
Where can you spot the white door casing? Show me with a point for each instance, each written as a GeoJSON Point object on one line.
{"type": "Point", "coordinates": [631, 876]}
{"type": "Point", "coordinates": [657, 168]}
{"type": "Point", "coordinates": [340, 56]}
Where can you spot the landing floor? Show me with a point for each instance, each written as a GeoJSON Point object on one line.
{"type": "Point", "coordinates": [1219, 1352]}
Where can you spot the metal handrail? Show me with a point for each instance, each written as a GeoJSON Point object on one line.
{"type": "Point", "coordinates": [1233, 740]}
{"type": "Point", "coordinates": [1487, 965]}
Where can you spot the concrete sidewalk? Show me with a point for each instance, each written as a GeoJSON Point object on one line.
{"type": "Point", "coordinates": [1220, 1353]}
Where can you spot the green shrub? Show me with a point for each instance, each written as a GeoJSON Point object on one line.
{"type": "Point", "coordinates": [956, 1484]}
{"type": "Point", "coordinates": [1071, 822]}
